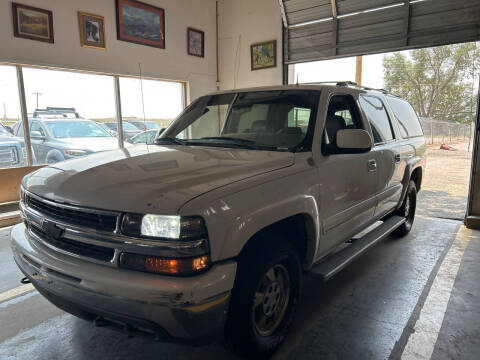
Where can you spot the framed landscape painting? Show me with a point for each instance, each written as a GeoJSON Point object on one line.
{"type": "Point", "coordinates": [92, 30]}
{"type": "Point", "coordinates": [196, 42]}
{"type": "Point", "coordinates": [264, 55]}
{"type": "Point", "coordinates": [32, 23]}
{"type": "Point", "coordinates": [140, 23]}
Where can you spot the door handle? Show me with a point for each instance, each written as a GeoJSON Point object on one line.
{"type": "Point", "coordinates": [372, 165]}
{"type": "Point", "coordinates": [397, 158]}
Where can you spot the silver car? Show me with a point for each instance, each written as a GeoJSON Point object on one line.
{"type": "Point", "coordinates": [206, 233]}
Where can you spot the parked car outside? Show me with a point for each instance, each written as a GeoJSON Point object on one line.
{"type": "Point", "coordinates": [107, 129]}
{"type": "Point", "coordinates": [12, 149]}
{"type": "Point", "coordinates": [55, 136]}
{"type": "Point", "coordinates": [144, 125]}
{"type": "Point", "coordinates": [129, 130]}
{"type": "Point", "coordinates": [147, 137]}
{"type": "Point", "coordinates": [207, 233]}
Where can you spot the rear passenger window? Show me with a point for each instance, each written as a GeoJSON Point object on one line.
{"type": "Point", "coordinates": [378, 118]}
{"type": "Point", "coordinates": [406, 117]}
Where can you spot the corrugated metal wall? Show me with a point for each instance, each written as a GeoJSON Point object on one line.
{"type": "Point", "coordinates": [322, 29]}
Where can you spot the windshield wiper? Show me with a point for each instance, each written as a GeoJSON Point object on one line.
{"type": "Point", "coordinates": [168, 140]}
{"type": "Point", "coordinates": [227, 138]}
{"type": "Point", "coordinates": [231, 142]}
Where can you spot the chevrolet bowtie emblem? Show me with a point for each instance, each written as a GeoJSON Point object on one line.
{"type": "Point", "coordinates": [52, 229]}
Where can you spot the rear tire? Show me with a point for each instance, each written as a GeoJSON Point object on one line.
{"type": "Point", "coordinates": [264, 298]}
{"type": "Point", "coordinates": [407, 210]}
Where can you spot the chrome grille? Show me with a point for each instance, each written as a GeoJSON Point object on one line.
{"type": "Point", "coordinates": [8, 156]}
{"type": "Point", "coordinates": [90, 219]}
{"type": "Point", "coordinates": [75, 247]}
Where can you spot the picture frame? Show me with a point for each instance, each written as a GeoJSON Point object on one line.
{"type": "Point", "coordinates": [195, 42]}
{"type": "Point", "coordinates": [92, 30]}
{"type": "Point", "coordinates": [140, 23]}
{"type": "Point", "coordinates": [32, 23]}
{"type": "Point", "coordinates": [263, 55]}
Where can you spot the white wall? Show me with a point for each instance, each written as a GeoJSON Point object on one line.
{"type": "Point", "coordinates": [242, 23]}
{"type": "Point", "coordinates": [120, 57]}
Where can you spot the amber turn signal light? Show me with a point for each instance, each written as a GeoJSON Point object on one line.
{"type": "Point", "coordinates": [160, 265]}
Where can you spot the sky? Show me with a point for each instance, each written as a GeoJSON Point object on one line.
{"type": "Point", "coordinates": [91, 95]}
{"type": "Point", "coordinates": [343, 70]}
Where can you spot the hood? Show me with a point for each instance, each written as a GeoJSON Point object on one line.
{"type": "Point", "coordinates": [150, 178]}
{"type": "Point", "coordinates": [9, 140]}
{"type": "Point", "coordinates": [90, 144]}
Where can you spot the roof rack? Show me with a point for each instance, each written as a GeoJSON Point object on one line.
{"type": "Point", "coordinates": [56, 111]}
{"type": "Point", "coordinates": [347, 83]}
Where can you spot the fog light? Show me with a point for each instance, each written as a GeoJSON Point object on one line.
{"type": "Point", "coordinates": [160, 265]}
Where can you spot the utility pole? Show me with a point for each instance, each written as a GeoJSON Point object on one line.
{"type": "Point", "coordinates": [358, 73]}
{"type": "Point", "coordinates": [38, 94]}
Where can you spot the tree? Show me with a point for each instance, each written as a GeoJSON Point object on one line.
{"type": "Point", "coordinates": [437, 81]}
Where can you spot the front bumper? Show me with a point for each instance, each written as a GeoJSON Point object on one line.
{"type": "Point", "coordinates": [170, 308]}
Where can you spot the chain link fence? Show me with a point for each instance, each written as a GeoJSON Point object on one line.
{"type": "Point", "coordinates": [445, 132]}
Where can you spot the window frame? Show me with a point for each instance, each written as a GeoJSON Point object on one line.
{"type": "Point", "coordinates": [392, 110]}
{"type": "Point", "coordinates": [392, 129]}
{"type": "Point", "coordinates": [361, 119]}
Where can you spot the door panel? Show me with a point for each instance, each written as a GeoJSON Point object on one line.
{"type": "Point", "coordinates": [347, 193]}
{"type": "Point", "coordinates": [348, 182]}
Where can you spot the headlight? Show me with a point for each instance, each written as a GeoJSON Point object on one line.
{"type": "Point", "coordinates": [185, 246]}
{"type": "Point", "coordinates": [75, 152]}
{"type": "Point", "coordinates": [164, 226]}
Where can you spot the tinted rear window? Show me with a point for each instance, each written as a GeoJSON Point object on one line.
{"type": "Point", "coordinates": [406, 117]}
{"type": "Point", "coordinates": [378, 118]}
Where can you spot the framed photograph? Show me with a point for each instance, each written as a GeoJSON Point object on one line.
{"type": "Point", "coordinates": [32, 23]}
{"type": "Point", "coordinates": [140, 23]}
{"type": "Point", "coordinates": [92, 30]}
{"type": "Point", "coordinates": [264, 55]}
{"type": "Point", "coordinates": [195, 42]}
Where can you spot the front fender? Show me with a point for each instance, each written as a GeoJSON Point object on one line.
{"type": "Point", "coordinates": [232, 219]}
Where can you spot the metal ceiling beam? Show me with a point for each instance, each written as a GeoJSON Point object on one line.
{"type": "Point", "coordinates": [406, 19]}
{"type": "Point", "coordinates": [334, 28]}
{"type": "Point", "coordinates": [282, 11]}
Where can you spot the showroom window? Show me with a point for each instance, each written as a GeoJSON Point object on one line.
{"type": "Point", "coordinates": [148, 105]}
{"type": "Point", "coordinates": [66, 111]}
{"type": "Point", "coordinates": [12, 148]}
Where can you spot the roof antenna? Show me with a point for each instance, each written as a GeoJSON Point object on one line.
{"type": "Point", "coordinates": [143, 103]}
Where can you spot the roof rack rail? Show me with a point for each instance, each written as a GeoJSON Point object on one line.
{"type": "Point", "coordinates": [56, 111]}
{"type": "Point", "coordinates": [347, 83]}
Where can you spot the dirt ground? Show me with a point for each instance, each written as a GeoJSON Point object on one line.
{"type": "Point", "coordinates": [445, 182]}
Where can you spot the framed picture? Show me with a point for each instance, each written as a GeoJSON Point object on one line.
{"type": "Point", "coordinates": [140, 23]}
{"type": "Point", "coordinates": [92, 30]}
{"type": "Point", "coordinates": [264, 55]}
{"type": "Point", "coordinates": [195, 42]}
{"type": "Point", "coordinates": [32, 23]}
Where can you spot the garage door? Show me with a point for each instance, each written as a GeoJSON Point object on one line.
{"type": "Point", "coordinates": [323, 29]}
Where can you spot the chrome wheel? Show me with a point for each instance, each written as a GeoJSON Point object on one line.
{"type": "Point", "coordinates": [271, 300]}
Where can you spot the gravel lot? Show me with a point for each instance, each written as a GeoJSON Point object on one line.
{"type": "Point", "coordinates": [445, 183]}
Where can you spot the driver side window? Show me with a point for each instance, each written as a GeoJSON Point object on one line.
{"type": "Point", "coordinates": [342, 114]}
{"type": "Point", "coordinates": [37, 127]}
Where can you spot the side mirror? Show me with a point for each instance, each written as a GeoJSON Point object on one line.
{"type": "Point", "coordinates": [354, 141]}
{"type": "Point", "coordinates": [37, 135]}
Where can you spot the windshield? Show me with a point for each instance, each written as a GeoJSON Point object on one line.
{"type": "Point", "coordinates": [273, 120]}
{"type": "Point", "coordinates": [74, 129]}
{"type": "Point", "coordinates": [152, 125]}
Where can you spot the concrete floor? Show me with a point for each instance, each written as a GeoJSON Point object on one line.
{"type": "Point", "coordinates": [368, 311]}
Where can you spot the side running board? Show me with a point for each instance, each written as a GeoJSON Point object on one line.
{"type": "Point", "coordinates": [333, 264]}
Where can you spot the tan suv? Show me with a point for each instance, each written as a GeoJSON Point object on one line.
{"type": "Point", "coordinates": [206, 233]}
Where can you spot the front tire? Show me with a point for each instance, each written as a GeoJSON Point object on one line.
{"type": "Point", "coordinates": [407, 210]}
{"type": "Point", "coordinates": [264, 298]}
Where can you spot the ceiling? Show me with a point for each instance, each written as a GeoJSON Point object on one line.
{"type": "Point", "coordinates": [324, 29]}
